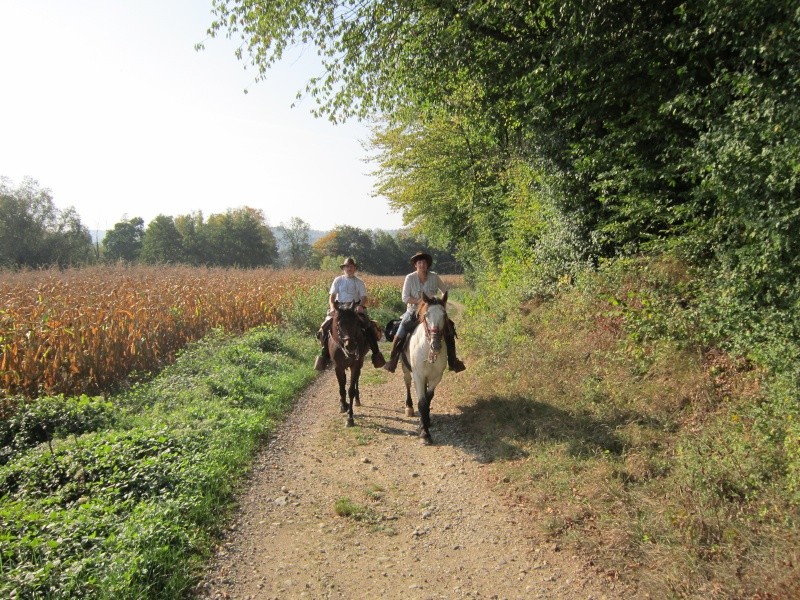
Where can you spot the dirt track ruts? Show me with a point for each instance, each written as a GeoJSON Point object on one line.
{"type": "Point", "coordinates": [435, 524]}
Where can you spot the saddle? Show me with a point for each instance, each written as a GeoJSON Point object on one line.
{"type": "Point", "coordinates": [393, 325]}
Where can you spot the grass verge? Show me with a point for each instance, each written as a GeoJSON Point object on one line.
{"type": "Point", "coordinates": [664, 462]}
{"type": "Point", "coordinates": [126, 502]}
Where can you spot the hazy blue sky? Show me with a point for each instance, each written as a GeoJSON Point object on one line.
{"type": "Point", "coordinates": [107, 104]}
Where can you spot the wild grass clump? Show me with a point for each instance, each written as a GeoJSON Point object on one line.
{"type": "Point", "coordinates": [665, 459]}
{"type": "Point", "coordinates": [345, 507]}
{"type": "Point", "coordinates": [122, 497]}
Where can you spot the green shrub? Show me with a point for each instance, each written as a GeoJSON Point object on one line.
{"type": "Point", "coordinates": [45, 419]}
{"type": "Point", "coordinates": [307, 309]}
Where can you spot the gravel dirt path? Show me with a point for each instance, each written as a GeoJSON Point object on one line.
{"type": "Point", "coordinates": [432, 523]}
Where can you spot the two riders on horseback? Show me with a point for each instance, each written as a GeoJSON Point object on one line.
{"type": "Point", "coordinates": [350, 288]}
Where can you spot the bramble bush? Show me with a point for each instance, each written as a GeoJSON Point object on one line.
{"type": "Point", "coordinates": [33, 422]}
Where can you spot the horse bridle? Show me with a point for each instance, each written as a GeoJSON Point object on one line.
{"type": "Point", "coordinates": [336, 334]}
{"type": "Point", "coordinates": [432, 335]}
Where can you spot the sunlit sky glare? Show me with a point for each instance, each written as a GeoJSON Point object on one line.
{"type": "Point", "coordinates": [107, 104]}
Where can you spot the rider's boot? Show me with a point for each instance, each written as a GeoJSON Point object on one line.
{"type": "Point", "coordinates": [324, 358]}
{"type": "Point", "coordinates": [453, 362]}
{"type": "Point", "coordinates": [397, 345]}
{"type": "Point", "coordinates": [377, 358]}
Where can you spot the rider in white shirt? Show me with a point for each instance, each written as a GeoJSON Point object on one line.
{"type": "Point", "coordinates": [348, 288]}
{"type": "Point", "coordinates": [422, 280]}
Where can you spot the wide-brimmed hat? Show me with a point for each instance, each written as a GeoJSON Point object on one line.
{"type": "Point", "coordinates": [349, 261]}
{"type": "Point", "coordinates": [428, 258]}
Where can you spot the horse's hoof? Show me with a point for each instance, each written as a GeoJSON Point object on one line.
{"type": "Point", "coordinates": [350, 422]}
{"type": "Point", "coordinates": [425, 439]}
{"type": "Point", "coordinates": [409, 411]}
{"type": "Point", "coordinates": [343, 408]}
{"type": "Point", "coordinates": [356, 402]}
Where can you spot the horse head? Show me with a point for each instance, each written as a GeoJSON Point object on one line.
{"type": "Point", "coordinates": [346, 329]}
{"type": "Point", "coordinates": [432, 313]}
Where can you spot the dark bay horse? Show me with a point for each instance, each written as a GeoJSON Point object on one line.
{"type": "Point", "coordinates": [425, 359]}
{"type": "Point", "coordinates": [347, 345]}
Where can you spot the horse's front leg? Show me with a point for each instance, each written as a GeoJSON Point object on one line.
{"type": "Point", "coordinates": [424, 397]}
{"type": "Point", "coordinates": [354, 385]}
{"type": "Point", "coordinates": [355, 374]}
{"type": "Point", "coordinates": [409, 401]}
{"type": "Point", "coordinates": [342, 379]}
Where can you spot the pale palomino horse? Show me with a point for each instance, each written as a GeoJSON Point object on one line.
{"type": "Point", "coordinates": [347, 345]}
{"type": "Point", "coordinates": [425, 359]}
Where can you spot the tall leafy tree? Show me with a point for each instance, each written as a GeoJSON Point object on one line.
{"type": "Point", "coordinates": [296, 243]}
{"type": "Point", "coordinates": [162, 242]}
{"type": "Point", "coordinates": [389, 259]}
{"type": "Point", "coordinates": [445, 173]}
{"type": "Point", "coordinates": [190, 229]}
{"type": "Point", "coordinates": [124, 240]}
{"type": "Point", "coordinates": [69, 242]}
{"type": "Point", "coordinates": [34, 233]}
{"type": "Point", "coordinates": [347, 241]}
{"type": "Point", "coordinates": [239, 238]}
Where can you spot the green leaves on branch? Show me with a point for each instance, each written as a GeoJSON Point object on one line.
{"type": "Point", "coordinates": [659, 125]}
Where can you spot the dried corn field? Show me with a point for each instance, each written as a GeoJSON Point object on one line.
{"type": "Point", "coordinates": [83, 330]}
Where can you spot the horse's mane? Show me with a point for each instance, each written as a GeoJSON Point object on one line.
{"type": "Point", "coordinates": [346, 324]}
{"type": "Point", "coordinates": [434, 302]}
{"type": "Point", "coordinates": [431, 301]}
{"type": "Point", "coordinates": [346, 315]}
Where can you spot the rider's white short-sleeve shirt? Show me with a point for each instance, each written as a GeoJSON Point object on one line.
{"type": "Point", "coordinates": [348, 289]}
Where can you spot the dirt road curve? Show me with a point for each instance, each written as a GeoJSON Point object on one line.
{"type": "Point", "coordinates": [433, 521]}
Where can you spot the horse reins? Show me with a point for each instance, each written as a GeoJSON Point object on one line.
{"type": "Point", "coordinates": [336, 336]}
{"type": "Point", "coordinates": [431, 335]}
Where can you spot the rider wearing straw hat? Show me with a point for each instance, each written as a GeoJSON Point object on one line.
{"type": "Point", "coordinates": [422, 280]}
{"type": "Point", "coordinates": [348, 288]}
